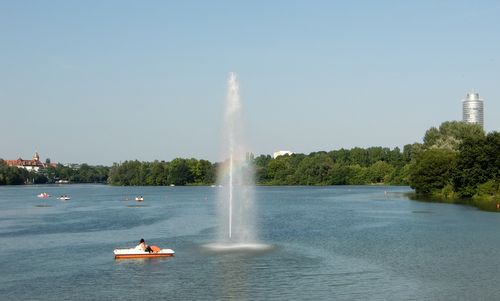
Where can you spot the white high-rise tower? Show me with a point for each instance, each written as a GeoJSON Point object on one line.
{"type": "Point", "coordinates": [473, 111]}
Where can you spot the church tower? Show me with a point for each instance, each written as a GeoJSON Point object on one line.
{"type": "Point", "coordinates": [36, 157]}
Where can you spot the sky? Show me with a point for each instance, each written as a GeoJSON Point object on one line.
{"type": "Point", "coordinates": [100, 82]}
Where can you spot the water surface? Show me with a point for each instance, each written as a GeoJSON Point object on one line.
{"type": "Point", "coordinates": [340, 243]}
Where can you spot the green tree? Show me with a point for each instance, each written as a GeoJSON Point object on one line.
{"type": "Point", "coordinates": [432, 170]}
{"type": "Point", "coordinates": [450, 134]}
{"type": "Point", "coordinates": [379, 172]}
{"type": "Point", "coordinates": [12, 175]}
{"type": "Point", "coordinates": [359, 175]}
{"type": "Point", "coordinates": [477, 163]}
{"type": "Point", "coordinates": [280, 170]}
{"type": "Point", "coordinates": [202, 171]}
{"type": "Point", "coordinates": [314, 170]}
{"type": "Point", "coordinates": [341, 174]}
{"type": "Point", "coordinates": [340, 156]}
{"type": "Point", "coordinates": [261, 169]}
{"type": "Point", "coordinates": [180, 174]}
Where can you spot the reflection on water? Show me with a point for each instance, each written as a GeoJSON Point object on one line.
{"type": "Point", "coordinates": [238, 247]}
{"type": "Point", "coordinates": [141, 261]}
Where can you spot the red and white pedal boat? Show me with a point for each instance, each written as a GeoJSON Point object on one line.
{"type": "Point", "coordinates": [136, 253]}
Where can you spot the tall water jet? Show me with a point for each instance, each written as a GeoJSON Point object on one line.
{"type": "Point", "coordinates": [235, 175]}
{"type": "Point", "coordinates": [236, 206]}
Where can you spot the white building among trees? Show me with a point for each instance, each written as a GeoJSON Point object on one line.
{"type": "Point", "coordinates": [281, 153]}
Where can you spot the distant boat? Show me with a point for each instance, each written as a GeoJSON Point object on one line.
{"type": "Point", "coordinates": [139, 198]}
{"type": "Point", "coordinates": [43, 195]}
{"type": "Point", "coordinates": [64, 198]}
{"type": "Point", "coordinates": [172, 185]}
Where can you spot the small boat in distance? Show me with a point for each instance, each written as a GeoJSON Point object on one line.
{"type": "Point", "coordinates": [64, 198]}
{"type": "Point", "coordinates": [43, 195]}
{"type": "Point", "coordinates": [135, 253]}
{"type": "Point", "coordinates": [139, 198]}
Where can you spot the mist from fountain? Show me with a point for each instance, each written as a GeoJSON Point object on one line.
{"type": "Point", "coordinates": [236, 206]}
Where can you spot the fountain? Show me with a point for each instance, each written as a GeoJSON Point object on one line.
{"type": "Point", "coordinates": [236, 177]}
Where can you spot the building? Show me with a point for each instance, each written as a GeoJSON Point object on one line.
{"type": "Point", "coordinates": [281, 153]}
{"type": "Point", "coordinates": [473, 110]}
{"type": "Point", "coordinates": [30, 165]}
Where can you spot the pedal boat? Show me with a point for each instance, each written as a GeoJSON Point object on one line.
{"type": "Point", "coordinates": [135, 253]}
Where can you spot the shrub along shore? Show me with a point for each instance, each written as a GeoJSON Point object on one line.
{"type": "Point", "coordinates": [457, 162]}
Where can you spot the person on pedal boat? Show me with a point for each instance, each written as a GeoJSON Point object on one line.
{"type": "Point", "coordinates": [143, 246]}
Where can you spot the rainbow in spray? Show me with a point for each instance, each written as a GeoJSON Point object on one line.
{"type": "Point", "coordinates": [236, 204]}
{"type": "Point", "coordinates": [236, 197]}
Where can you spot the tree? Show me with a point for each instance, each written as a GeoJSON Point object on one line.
{"type": "Point", "coordinates": [261, 168]}
{"type": "Point", "coordinates": [379, 172]}
{"type": "Point", "coordinates": [202, 171]}
{"type": "Point", "coordinates": [358, 156]}
{"type": "Point", "coordinates": [340, 156]}
{"type": "Point", "coordinates": [180, 174]}
{"type": "Point", "coordinates": [432, 170]}
{"type": "Point", "coordinates": [450, 134]}
{"type": "Point", "coordinates": [280, 170]}
{"type": "Point", "coordinates": [359, 175]}
{"type": "Point", "coordinates": [410, 151]}
{"type": "Point", "coordinates": [341, 174]}
{"type": "Point", "coordinates": [314, 170]}
{"type": "Point", "coordinates": [12, 175]}
{"type": "Point", "coordinates": [478, 162]}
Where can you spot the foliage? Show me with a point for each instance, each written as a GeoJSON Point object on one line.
{"type": "Point", "coordinates": [80, 174]}
{"type": "Point", "coordinates": [12, 175]}
{"type": "Point", "coordinates": [177, 172]}
{"type": "Point", "coordinates": [357, 166]}
{"type": "Point", "coordinates": [478, 162]}
{"type": "Point", "coordinates": [458, 161]}
{"type": "Point", "coordinates": [314, 169]}
{"type": "Point", "coordinates": [455, 160]}
{"type": "Point", "coordinates": [450, 134]}
{"type": "Point", "coordinates": [432, 170]}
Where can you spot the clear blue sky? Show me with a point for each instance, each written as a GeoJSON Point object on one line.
{"type": "Point", "coordinates": [108, 81]}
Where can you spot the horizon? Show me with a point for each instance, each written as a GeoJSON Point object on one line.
{"type": "Point", "coordinates": [102, 83]}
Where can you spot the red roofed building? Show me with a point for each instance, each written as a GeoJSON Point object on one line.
{"type": "Point", "coordinates": [31, 165]}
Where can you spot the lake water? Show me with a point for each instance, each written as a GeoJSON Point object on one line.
{"type": "Point", "coordinates": [328, 243]}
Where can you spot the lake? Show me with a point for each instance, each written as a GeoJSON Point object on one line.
{"type": "Point", "coordinates": [327, 243]}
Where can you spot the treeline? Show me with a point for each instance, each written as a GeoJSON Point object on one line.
{"type": "Point", "coordinates": [83, 173]}
{"type": "Point", "coordinates": [458, 160]}
{"type": "Point", "coordinates": [176, 172]}
{"type": "Point", "coordinates": [374, 165]}
{"type": "Point", "coordinates": [15, 176]}
{"type": "Point", "coordinates": [357, 166]}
